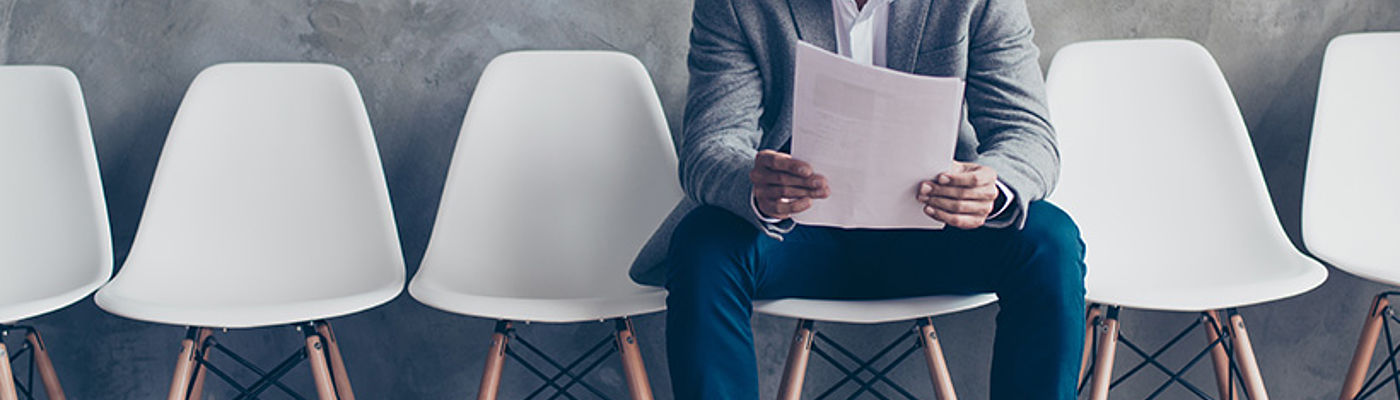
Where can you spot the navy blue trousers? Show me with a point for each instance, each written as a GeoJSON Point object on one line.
{"type": "Point", "coordinates": [720, 264]}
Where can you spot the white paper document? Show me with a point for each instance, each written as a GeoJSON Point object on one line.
{"type": "Point", "coordinates": [874, 133]}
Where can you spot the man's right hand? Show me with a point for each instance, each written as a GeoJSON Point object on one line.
{"type": "Point", "coordinates": [783, 186]}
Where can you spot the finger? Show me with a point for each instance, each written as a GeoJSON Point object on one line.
{"type": "Point", "coordinates": [961, 221]}
{"type": "Point", "coordinates": [781, 192]}
{"type": "Point", "coordinates": [784, 162]}
{"type": "Point", "coordinates": [771, 214]}
{"type": "Point", "coordinates": [959, 166]}
{"type": "Point", "coordinates": [764, 176]}
{"type": "Point", "coordinates": [969, 178]}
{"type": "Point", "coordinates": [925, 188]}
{"type": "Point", "coordinates": [793, 207]}
{"type": "Point", "coordinates": [957, 206]}
{"type": "Point", "coordinates": [765, 159]}
{"type": "Point", "coordinates": [964, 193]}
{"type": "Point", "coordinates": [817, 181]}
{"type": "Point", "coordinates": [789, 192]}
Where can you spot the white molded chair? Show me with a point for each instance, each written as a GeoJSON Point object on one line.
{"type": "Point", "coordinates": [268, 207]}
{"type": "Point", "coordinates": [1159, 172]}
{"type": "Point", "coordinates": [807, 340]}
{"type": "Point", "coordinates": [1348, 219]}
{"type": "Point", "coordinates": [563, 168]}
{"type": "Point", "coordinates": [55, 245]}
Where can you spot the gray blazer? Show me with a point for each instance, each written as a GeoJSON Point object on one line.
{"type": "Point", "coordinates": [740, 98]}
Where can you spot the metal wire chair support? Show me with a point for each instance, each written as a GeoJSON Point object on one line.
{"type": "Point", "coordinates": [853, 375]}
{"type": "Point", "coordinates": [21, 387]}
{"type": "Point", "coordinates": [266, 379]}
{"type": "Point", "coordinates": [1374, 383]}
{"type": "Point", "coordinates": [558, 377]}
{"type": "Point", "coordinates": [1174, 376]}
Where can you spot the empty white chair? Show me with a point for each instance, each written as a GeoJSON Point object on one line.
{"type": "Point", "coordinates": [563, 169]}
{"type": "Point", "coordinates": [1348, 219]}
{"type": "Point", "coordinates": [1159, 172]}
{"type": "Point", "coordinates": [921, 310]}
{"type": "Point", "coordinates": [55, 246]}
{"type": "Point", "coordinates": [268, 207]}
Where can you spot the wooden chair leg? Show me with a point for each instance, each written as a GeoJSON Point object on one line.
{"type": "Point", "coordinates": [7, 381]}
{"type": "Point", "coordinates": [320, 368]}
{"type": "Point", "coordinates": [1244, 356]}
{"type": "Point", "coordinates": [1219, 359]}
{"type": "Point", "coordinates": [937, 366]}
{"type": "Point", "coordinates": [495, 362]}
{"type": "Point", "coordinates": [338, 373]}
{"type": "Point", "coordinates": [796, 369]}
{"type": "Point", "coordinates": [1090, 321]}
{"type": "Point", "coordinates": [636, 371]}
{"type": "Point", "coordinates": [197, 387]}
{"type": "Point", "coordinates": [45, 366]}
{"type": "Point", "coordinates": [1103, 364]}
{"type": "Point", "coordinates": [184, 366]}
{"type": "Point", "coordinates": [1365, 347]}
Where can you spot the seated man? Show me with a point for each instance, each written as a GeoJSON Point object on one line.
{"type": "Point", "coordinates": [732, 241]}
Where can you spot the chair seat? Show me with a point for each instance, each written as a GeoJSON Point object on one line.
{"type": "Point", "coordinates": [1205, 292]}
{"type": "Point", "coordinates": [204, 305]}
{"type": "Point", "coordinates": [1375, 273]}
{"type": "Point", "coordinates": [644, 300]}
{"type": "Point", "coordinates": [22, 299]}
{"type": "Point", "coordinates": [871, 311]}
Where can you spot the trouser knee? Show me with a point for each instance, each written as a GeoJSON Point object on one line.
{"type": "Point", "coordinates": [1053, 255]}
{"type": "Point", "coordinates": [710, 249]}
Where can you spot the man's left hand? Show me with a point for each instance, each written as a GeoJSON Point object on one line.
{"type": "Point", "coordinates": [962, 197]}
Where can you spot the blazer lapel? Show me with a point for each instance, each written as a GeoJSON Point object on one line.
{"type": "Point", "coordinates": [815, 23]}
{"type": "Point", "coordinates": [906, 29]}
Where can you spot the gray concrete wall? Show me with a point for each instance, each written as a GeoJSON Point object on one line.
{"type": "Point", "coordinates": [417, 62]}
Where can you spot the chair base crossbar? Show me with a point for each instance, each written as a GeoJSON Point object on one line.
{"type": "Point", "coordinates": [321, 351]}
{"type": "Point", "coordinates": [34, 350]}
{"type": "Point", "coordinates": [1227, 345]}
{"type": "Point", "coordinates": [808, 341]}
{"type": "Point", "coordinates": [1358, 384]}
{"type": "Point", "coordinates": [566, 376]}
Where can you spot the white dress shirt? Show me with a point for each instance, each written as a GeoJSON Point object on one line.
{"type": "Point", "coordinates": [860, 36]}
{"type": "Point", "coordinates": [861, 32]}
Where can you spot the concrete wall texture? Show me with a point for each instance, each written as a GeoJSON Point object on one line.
{"type": "Point", "coordinates": [417, 62]}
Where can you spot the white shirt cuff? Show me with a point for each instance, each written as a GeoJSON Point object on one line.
{"type": "Point", "coordinates": [773, 226]}
{"type": "Point", "coordinates": [1005, 191]}
{"type": "Point", "coordinates": [753, 203]}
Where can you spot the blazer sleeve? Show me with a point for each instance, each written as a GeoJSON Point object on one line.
{"type": "Point", "coordinates": [720, 131]}
{"type": "Point", "coordinates": [1007, 108]}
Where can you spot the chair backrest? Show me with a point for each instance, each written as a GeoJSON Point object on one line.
{"type": "Point", "coordinates": [269, 183]}
{"type": "Point", "coordinates": [563, 168]}
{"type": "Point", "coordinates": [1349, 217]}
{"type": "Point", "coordinates": [54, 235]}
{"type": "Point", "coordinates": [1157, 166]}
